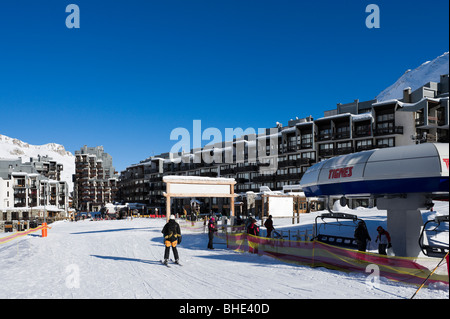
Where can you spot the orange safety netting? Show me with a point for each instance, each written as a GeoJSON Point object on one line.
{"type": "Point", "coordinates": [21, 234]}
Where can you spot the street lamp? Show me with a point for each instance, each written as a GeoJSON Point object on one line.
{"type": "Point", "coordinates": [44, 228]}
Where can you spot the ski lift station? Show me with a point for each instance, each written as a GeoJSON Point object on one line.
{"type": "Point", "coordinates": [402, 179]}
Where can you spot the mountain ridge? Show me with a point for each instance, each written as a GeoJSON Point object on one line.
{"type": "Point", "coordinates": [429, 71]}
{"type": "Point", "coordinates": [13, 148]}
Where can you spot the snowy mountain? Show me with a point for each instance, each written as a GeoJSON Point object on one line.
{"type": "Point", "coordinates": [11, 148]}
{"type": "Point", "coordinates": [429, 71]}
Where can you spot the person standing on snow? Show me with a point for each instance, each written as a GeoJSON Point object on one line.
{"type": "Point", "coordinates": [172, 236]}
{"type": "Point", "coordinates": [253, 229]}
{"type": "Point", "coordinates": [269, 226]}
{"type": "Point", "coordinates": [212, 228]}
{"type": "Point", "coordinates": [384, 240]}
{"type": "Point", "coordinates": [362, 236]}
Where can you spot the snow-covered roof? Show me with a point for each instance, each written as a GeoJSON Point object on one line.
{"type": "Point", "coordinates": [411, 106]}
{"type": "Point", "coordinates": [362, 117]}
{"type": "Point", "coordinates": [198, 178]}
{"type": "Point", "coordinates": [334, 116]}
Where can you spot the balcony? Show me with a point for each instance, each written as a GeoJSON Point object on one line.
{"type": "Point", "coordinates": [209, 174]}
{"type": "Point", "coordinates": [264, 178]}
{"type": "Point", "coordinates": [432, 121]}
{"type": "Point", "coordinates": [343, 150]}
{"type": "Point", "coordinates": [249, 168]}
{"type": "Point", "coordinates": [20, 194]}
{"type": "Point", "coordinates": [341, 135]}
{"type": "Point", "coordinates": [360, 148]}
{"type": "Point", "coordinates": [388, 131]}
{"type": "Point", "coordinates": [288, 149]}
{"type": "Point", "coordinates": [227, 171]}
{"type": "Point", "coordinates": [362, 132]}
{"type": "Point", "coordinates": [326, 152]}
{"type": "Point", "coordinates": [325, 136]}
{"type": "Point", "coordinates": [294, 163]}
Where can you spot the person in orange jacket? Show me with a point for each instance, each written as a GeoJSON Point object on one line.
{"type": "Point", "coordinates": [384, 240]}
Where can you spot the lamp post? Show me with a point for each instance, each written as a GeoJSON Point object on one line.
{"type": "Point", "coordinates": [44, 225]}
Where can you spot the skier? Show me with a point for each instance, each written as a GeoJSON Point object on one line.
{"type": "Point", "coordinates": [253, 229]}
{"type": "Point", "coordinates": [384, 240]}
{"type": "Point", "coordinates": [172, 236]}
{"type": "Point", "coordinates": [362, 236]}
{"type": "Point", "coordinates": [269, 226]}
{"type": "Point", "coordinates": [212, 228]}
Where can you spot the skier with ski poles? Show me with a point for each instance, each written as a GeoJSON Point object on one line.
{"type": "Point", "coordinates": [172, 237]}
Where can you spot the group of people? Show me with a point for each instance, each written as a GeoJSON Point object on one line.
{"type": "Point", "coordinates": [252, 229]}
{"type": "Point", "coordinates": [172, 235]}
{"type": "Point", "coordinates": [362, 238]}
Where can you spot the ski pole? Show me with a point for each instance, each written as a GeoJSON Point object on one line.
{"type": "Point", "coordinates": [429, 276]}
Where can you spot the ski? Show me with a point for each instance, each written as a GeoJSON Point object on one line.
{"type": "Point", "coordinates": [165, 264]}
{"type": "Point", "coordinates": [176, 263]}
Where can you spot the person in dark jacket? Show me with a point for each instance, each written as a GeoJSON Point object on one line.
{"type": "Point", "coordinates": [172, 236]}
{"type": "Point", "coordinates": [269, 226]}
{"type": "Point", "coordinates": [212, 228]}
{"type": "Point", "coordinates": [253, 229]}
{"type": "Point", "coordinates": [362, 236]}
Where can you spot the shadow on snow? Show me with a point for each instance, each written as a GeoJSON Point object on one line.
{"type": "Point", "coordinates": [127, 259]}
{"type": "Point", "coordinates": [112, 230]}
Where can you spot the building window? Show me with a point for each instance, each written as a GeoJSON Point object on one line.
{"type": "Point", "coordinates": [385, 142]}
{"type": "Point", "coordinates": [363, 130]}
{"type": "Point", "coordinates": [306, 140]}
{"type": "Point", "coordinates": [324, 134]}
{"type": "Point", "coordinates": [385, 117]}
{"type": "Point", "coordinates": [310, 155]}
{"type": "Point", "coordinates": [364, 145]}
{"type": "Point", "coordinates": [326, 149]}
{"type": "Point", "coordinates": [342, 132]}
{"type": "Point", "coordinates": [344, 148]}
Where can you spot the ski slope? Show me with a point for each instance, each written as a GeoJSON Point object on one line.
{"type": "Point", "coordinates": [121, 259]}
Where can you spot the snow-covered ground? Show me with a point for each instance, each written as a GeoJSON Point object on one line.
{"type": "Point", "coordinates": [121, 259]}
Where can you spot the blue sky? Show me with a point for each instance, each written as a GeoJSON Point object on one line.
{"type": "Point", "coordinates": [135, 70]}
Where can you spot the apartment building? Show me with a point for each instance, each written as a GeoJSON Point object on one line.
{"type": "Point", "coordinates": [95, 179]}
{"type": "Point", "coordinates": [420, 116]}
{"type": "Point", "coordinates": [27, 190]}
